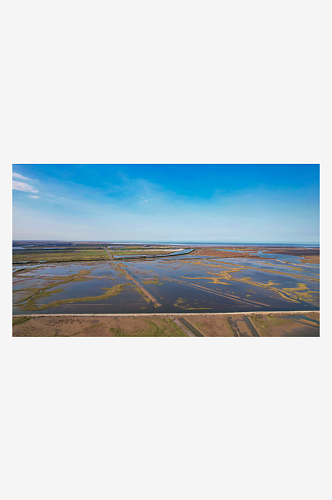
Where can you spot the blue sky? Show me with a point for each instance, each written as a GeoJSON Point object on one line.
{"type": "Point", "coordinates": [174, 203]}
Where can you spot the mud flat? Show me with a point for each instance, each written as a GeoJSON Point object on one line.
{"type": "Point", "coordinates": [274, 324]}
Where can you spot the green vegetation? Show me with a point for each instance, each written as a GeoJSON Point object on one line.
{"type": "Point", "coordinates": [42, 292]}
{"type": "Point", "coordinates": [132, 252]}
{"type": "Point", "coordinates": [197, 324]}
{"type": "Point", "coordinates": [184, 304]}
{"type": "Point", "coordinates": [228, 326]}
{"type": "Point", "coordinates": [31, 292]}
{"type": "Point", "coordinates": [29, 302]}
{"type": "Point", "coordinates": [151, 282]}
{"type": "Point", "coordinates": [161, 327]}
{"type": "Point", "coordinates": [18, 271]}
{"type": "Point", "coordinates": [277, 321]}
{"type": "Point", "coordinates": [58, 255]}
{"type": "Point", "coordinates": [18, 321]}
{"type": "Point", "coordinates": [140, 251]}
{"type": "Point", "coordinates": [26, 269]}
{"type": "Point", "coordinates": [32, 306]}
{"type": "Point", "coordinates": [107, 255]}
{"type": "Point", "coordinates": [261, 325]}
{"type": "Point", "coordinates": [139, 290]}
{"type": "Point", "coordinates": [179, 302]}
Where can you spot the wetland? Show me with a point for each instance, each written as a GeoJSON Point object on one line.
{"type": "Point", "coordinates": [204, 280]}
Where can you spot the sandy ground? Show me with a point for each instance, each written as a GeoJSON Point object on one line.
{"type": "Point", "coordinates": [206, 325]}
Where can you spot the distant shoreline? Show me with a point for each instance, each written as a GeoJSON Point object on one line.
{"type": "Point", "coordinates": [214, 244]}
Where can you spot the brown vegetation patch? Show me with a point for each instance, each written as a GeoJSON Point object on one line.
{"type": "Point", "coordinates": [312, 259]}
{"type": "Point", "coordinates": [211, 252]}
{"type": "Point", "coordinates": [211, 326]}
{"type": "Point", "coordinates": [113, 326]}
{"type": "Point", "coordinates": [295, 251]}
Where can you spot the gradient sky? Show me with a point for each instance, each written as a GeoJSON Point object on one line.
{"type": "Point", "coordinates": [170, 203]}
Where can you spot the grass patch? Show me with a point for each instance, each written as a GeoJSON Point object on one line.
{"type": "Point", "coordinates": [141, 251]}
{"type": "Point", "coordinates": [44, 293]}
{"type": "Point", "coordinates": [36, 293]}
{"type": "Point", "coordinates": [18, 321]}
{"type": "Point", "coordinates": [261, 325]}
{"type": "Point", "coordinates": [118, 332]}
{"type": "Point", "coordinates": [18, 271]}
{"type": "Point", "coordinates": [30, 291]}
{"type": "Point", "coordinates": [107, 255]}
{"type": "Point", "coordinates": [184, 304]}
{"type": "Point", "coordinates": [197, 324]}
{"type": "Point", "coordinates": [179, 302]}
{"type": "Point", "coordinates": [58, 255]}
{"type": "Point", "coordinates": [161, 327]}
{"type": "Point", "coordinates": [228, 326]}
{"type": "Point", "coordinates": [276, 321]}
{"type": "Point", "coordinates": [29, 302]}
{"type": "Point", "coordinates": [139, 290]}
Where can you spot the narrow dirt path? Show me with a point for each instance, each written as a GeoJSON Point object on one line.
{"type": "Point", "coordinates": [194, 330]}
{"type": "Point", "coordinates": [251, 326]}
{"type": "Point", "coordinates": [141, 287]}
{"type": "Point", "coordinates": [183, 328]}
{"type": "Point", "coordinates": [108, 253]}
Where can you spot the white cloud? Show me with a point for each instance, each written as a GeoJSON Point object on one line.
{"type": "Point", "coordinates": [31, 196]}
{"type": "Point", "coordinates": [22, 186]}
{"type": "Point", "coordinates": [19, 176]}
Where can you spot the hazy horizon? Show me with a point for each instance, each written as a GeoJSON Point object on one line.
{"type": "Point", "coordinates": [217, 204]}
{"type": "Point", "coordinates": [175, 242]}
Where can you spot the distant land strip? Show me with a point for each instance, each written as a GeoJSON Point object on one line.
{"type": "Point", "coordinates": [168, 314]}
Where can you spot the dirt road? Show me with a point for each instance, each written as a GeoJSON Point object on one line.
{"type": "Point", "coordinates": [108, 253]}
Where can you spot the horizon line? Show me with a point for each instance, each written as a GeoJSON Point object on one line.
{"type": "Point", "coordinates": [180, 241]}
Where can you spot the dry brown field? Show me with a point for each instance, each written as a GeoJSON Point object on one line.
{"type": "Point", "coordinates": [170, 325]}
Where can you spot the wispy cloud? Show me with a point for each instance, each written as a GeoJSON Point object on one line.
{"type": "Point", "coordinates": [22, 186]}
{"type": "Point", "coordinates": [19, 176]}
{"type": "Point", "coordinates": [32, 196]}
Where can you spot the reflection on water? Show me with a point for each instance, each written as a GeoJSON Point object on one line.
{"type": "Point", "coordinates": [178, 283]}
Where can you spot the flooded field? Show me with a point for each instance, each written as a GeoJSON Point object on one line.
{"type": "Point", "coordinates": [192, 283]}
